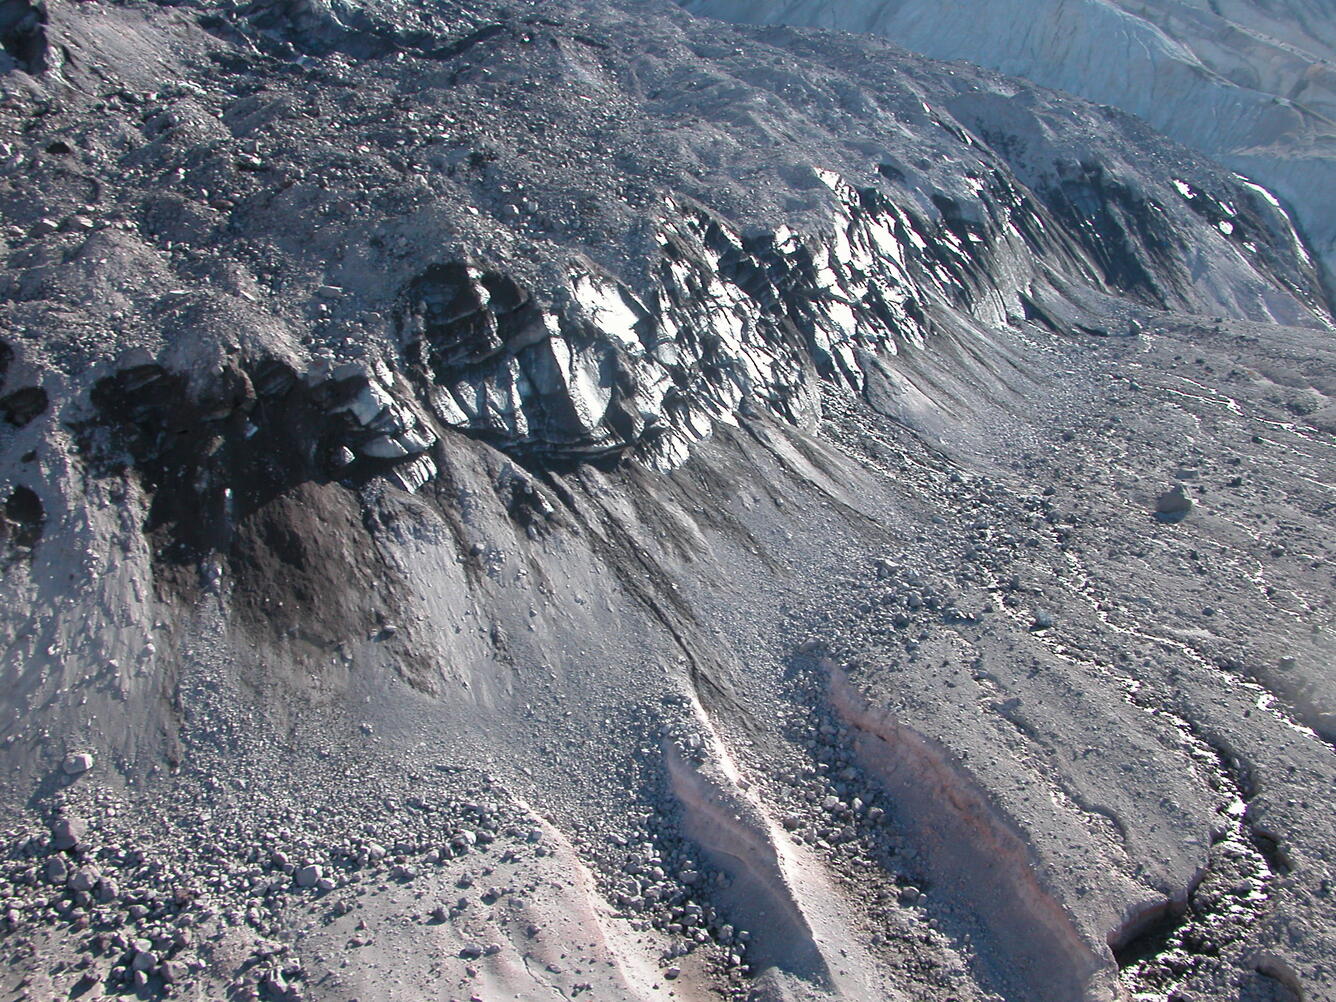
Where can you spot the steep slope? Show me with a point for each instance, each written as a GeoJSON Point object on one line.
{"type": "Point", "coordinates": [575, 499]}
{"type": "Point", "coordinates": [1252, 85]}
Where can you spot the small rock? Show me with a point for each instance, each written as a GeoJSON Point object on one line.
{"type": "Point", "coordinates": [309, 876]}
{"type": "Point", "coordinates": [67, 833]}
{"type": "Point", "coordinates": [77, 764]}
{"type": "Point", "coordinates": [56, 871]}
{"type": "Point", "coordinates": [144, 961]}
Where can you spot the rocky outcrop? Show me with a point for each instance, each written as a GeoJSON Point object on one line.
{"type": "Point", "coordinates": [21, 523]}
{"type": "Point", "coordinates": [731, 325]}
{"type": "Point", "coordinates": [734, 324]}
{"type": "Point", "coordinates": [23, 35]}
{"type": "Point", "coordinates": [211, 453]}
{"type": "Point", "coordinates": [23, 405]}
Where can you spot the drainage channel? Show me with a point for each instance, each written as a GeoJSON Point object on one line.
{"type": "Point", "coordinates": [1162, 951]}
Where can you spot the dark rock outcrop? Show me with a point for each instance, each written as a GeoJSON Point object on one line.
{"type": "Point", "coordinates": [23, 34]}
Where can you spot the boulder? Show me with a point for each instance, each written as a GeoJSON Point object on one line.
{"type": "Point", "coordinates": [1173, 504]}
{"type": "Point", "coordinates": [77, 764]}
{"type": "Point", "coordinates": [67, 833]}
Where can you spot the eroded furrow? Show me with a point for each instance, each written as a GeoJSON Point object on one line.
{"type": "Point", "coordinates": [973, 852]}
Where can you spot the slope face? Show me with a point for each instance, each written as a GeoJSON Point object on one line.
{"type": "Point", "coordinates": [1250, 85]}
{"type": "Point", "coordinates": [575, 499]}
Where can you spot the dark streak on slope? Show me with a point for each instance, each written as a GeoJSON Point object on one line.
{"type": "Point", "coordinates": [1120, 230]}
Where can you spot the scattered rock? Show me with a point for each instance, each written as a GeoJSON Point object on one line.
{"type": "Point", "coordinates": [1174, 504]}
{"type": "Point", "coordinates": [56, 870]}
{"type": "Point", "coordinates": [77, 763]}
{"type": "Point", "coordinates": [83, 879]}
{"type": "Point", "coordinates": [67, 833]}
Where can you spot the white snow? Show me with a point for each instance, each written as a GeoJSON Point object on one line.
{"type": "Point", "coordinates": [607, 308]}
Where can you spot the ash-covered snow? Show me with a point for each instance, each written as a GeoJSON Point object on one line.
{"type": "Point", "coordinates": [571, 499]}
{"type": "Point", "coordinates": [1249, 83]}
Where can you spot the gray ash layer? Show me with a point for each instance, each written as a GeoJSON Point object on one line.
{"type": "Point", "coordinates": [568, 498]}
